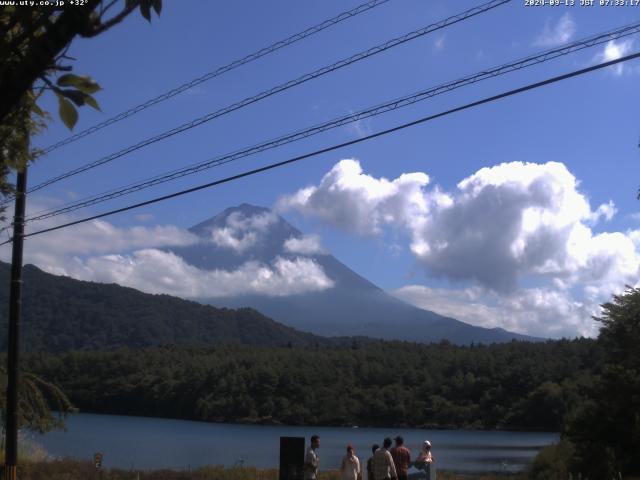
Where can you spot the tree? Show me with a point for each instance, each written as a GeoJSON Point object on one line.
{"type": "Point", "coordinates": [37, 399]}
{"type": "Point", "coordinates": [33, 61]}
{"type": "Point", "coordinates": [606, 429]}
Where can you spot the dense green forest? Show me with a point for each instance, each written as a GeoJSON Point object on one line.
{"type": "Point", "coordinates": [60, 313]}
{"type": "Point", "coordinates": [515, 386]}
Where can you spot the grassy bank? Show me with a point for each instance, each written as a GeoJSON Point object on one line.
{"type": "Point", "coordinates": [75, 470]}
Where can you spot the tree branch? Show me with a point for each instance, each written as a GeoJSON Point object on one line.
{"type": "Point", "coordinates": [107, 7]}
{"type": "Point", "coordinates": [103, 27]}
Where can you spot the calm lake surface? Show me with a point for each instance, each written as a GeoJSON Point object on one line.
{"type": "Point", "coordinates": [148, 443]}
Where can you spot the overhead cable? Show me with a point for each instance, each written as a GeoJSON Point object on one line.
{"type": "Point", "coordinates": [217, 72]}
{"type": "Point", "coordinates": [388, 106]}
{"type": "Point", "coordinates": [472, 12]}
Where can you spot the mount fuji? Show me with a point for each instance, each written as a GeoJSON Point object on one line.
{"type": "Point", "coordinates": [343, 304]}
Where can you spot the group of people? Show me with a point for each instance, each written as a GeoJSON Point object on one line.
{"type": "Point", "coordinates": [386, 462]}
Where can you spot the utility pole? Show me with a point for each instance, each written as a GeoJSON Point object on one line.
{"type": "Point", "coordinates": [15, 304]}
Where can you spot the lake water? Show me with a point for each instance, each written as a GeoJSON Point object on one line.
{"type": "Point", "coordinates": [148, 443]}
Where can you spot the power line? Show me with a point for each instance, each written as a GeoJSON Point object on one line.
{"type": "Point", "coordinates": [493, 98]}
{"type": "Point", "coordinates": [280, 88]}
{"type": "Point", "coordinates": [367, 113]}
{"type": "Point", "coordinates": [219, 71]}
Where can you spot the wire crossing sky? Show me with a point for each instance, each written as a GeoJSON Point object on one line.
{"type": "Point", "coordinates": [391, 105]}
{"type": "Point", "coordinates": [465, 15]}
{"type": "Point", "coordinates": [219, 71]}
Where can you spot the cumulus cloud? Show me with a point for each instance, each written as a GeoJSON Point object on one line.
{"type": "Point", "coordinates": [371, 202]}
{"type": "Point", "coordinates": [518, 219]}
{"type": "Point", "coordinates": [614, 50]}
{"type": "Point", "coordinates": [304, 245]}
{"type": "Point", "coordinates": [558, 34]}
{"type": "Point", "coordinates": [242, 232]}
{"type": "Point", "coordinates": [500, 226]}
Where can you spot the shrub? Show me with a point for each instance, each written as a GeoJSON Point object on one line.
{"type": "Point", "coordinates": [552, 463]}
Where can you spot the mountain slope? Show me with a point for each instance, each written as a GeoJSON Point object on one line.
{"type": "Point", "coordinates": [353, 306]}
{"type": "Point", "coordinates": [60, 313]}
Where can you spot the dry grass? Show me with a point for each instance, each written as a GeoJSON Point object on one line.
{"type": "Point", "coordinates": [75, 470]}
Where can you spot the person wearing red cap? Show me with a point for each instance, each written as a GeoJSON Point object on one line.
{"type": "Point", "coordinates": [350, 468]}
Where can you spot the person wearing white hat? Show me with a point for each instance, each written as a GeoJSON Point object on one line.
{"type": "Point", "coordinates": [425, 461]}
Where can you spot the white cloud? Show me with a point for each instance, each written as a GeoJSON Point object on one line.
{"type": "Point", "coordinates": [157, 271]}
{"type": "Point", "coordinates": [536, 311]}
{"type": "Point", "coordinates": [517, 219]}
{"type": "Point", "coordinates": [51, 251]}
{"type": "Point", "coordinates": [439, 43]}
{"type": "Point", "coordinates": [500, 226]}
{"type": "Point", "coordinates": [614, 50]}
{"type": "Point", "coordinates": [241, 232]}
{"type": "Point", "coordinates": [99, 236]}
{"type": "Point", "coordinates": [606, 211]}
{"type": "Point", "coordinates": [558, 34]}
{"type": "Point", "coordinates": [304, 245]}
{"type": "Point", "coordinates": [371, 202]}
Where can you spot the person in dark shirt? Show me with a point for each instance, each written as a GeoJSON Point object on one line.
{"type": "Point", "coordinates": [369, 466]}
{"type": "Point", "coordinates": [401, 458]}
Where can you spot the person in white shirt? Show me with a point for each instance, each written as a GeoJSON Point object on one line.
{"type": "Point", "coordinates": [350, 467]}
{"type": "Point", "coordinates": [382, 463]}
{"type": "Point", "coordinates": [312, 460]}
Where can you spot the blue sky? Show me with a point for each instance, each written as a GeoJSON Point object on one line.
{"type": "Point", "coordinates": [588, 124]}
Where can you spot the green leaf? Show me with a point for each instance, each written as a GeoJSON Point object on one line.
{"type": "Point", "coordinates": [76, 96]}
{"type": "Point", "coordinates": [145, 9]}
{"type": "Point", "coordinates": [89, 100]}
{"type": "Point", "coordinates": [157, 6]}
{"type": "Point", "coordinates": [67, 112]}
{"type": "Point", "coordinates": [83, 83]}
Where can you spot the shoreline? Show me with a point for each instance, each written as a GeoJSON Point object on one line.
{"type": "Point", "coordinates": [251, 423]}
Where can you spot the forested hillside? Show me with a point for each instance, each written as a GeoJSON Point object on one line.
{"type": "Point", "coordinates": [514, 386]}
{"type": "Point", "coordinates": [60, 313]}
